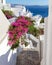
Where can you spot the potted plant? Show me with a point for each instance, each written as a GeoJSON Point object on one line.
{"type": "Point", "coordinates": [8, 13]}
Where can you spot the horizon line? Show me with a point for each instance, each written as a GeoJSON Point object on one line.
{"type": "Point", "coordinates": [30, 5]}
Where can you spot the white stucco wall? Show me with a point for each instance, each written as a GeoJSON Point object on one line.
{"type": "Point", "coordinates": [49, 37]}
{"type": "Point", "coordinates": [4, 24]}
{"type": "Point", "coordinates": [7, 57]}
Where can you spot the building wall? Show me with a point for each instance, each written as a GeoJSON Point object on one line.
{"type": "Point", "coordinates": [7, 57]}
{"type": "Point", "coordinates": [49, 37]}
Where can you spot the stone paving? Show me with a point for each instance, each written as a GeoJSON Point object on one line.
{"type": "Point", "coordinates": [28, 57]}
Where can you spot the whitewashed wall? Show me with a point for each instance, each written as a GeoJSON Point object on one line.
{"type": "Point", "coordinates": [7, 57]}
{"type": "Point", "coordinates": [44, 43]}
{"type": "Point", "coordinates": [49, 37]}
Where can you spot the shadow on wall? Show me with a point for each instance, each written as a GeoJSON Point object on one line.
{"type": "Point", "coordinates": [4, 59]}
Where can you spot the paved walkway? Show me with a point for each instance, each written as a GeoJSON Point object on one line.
{"type": "Point", "coordinates": [28, 57]}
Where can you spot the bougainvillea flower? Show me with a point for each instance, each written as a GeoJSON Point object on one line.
{"type": "Point", "coordinates": [19, 28]}
{"type": "Point", "coordinates": [10, 43]}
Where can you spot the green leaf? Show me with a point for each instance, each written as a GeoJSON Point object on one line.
{"type": "Point", "coordinates": [33, 30]}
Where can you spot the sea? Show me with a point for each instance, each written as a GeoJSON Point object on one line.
{"type": "Point", "coordinates": [37, 10]}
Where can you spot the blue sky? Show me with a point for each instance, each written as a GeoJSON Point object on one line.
{"type": "Point", "coordinates": [28, 2]}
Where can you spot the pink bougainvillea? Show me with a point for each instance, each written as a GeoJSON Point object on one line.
{"type": "Point", "coordinates": [8, 14]}
{"type": "Point", "coordinates": [17, 29]}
